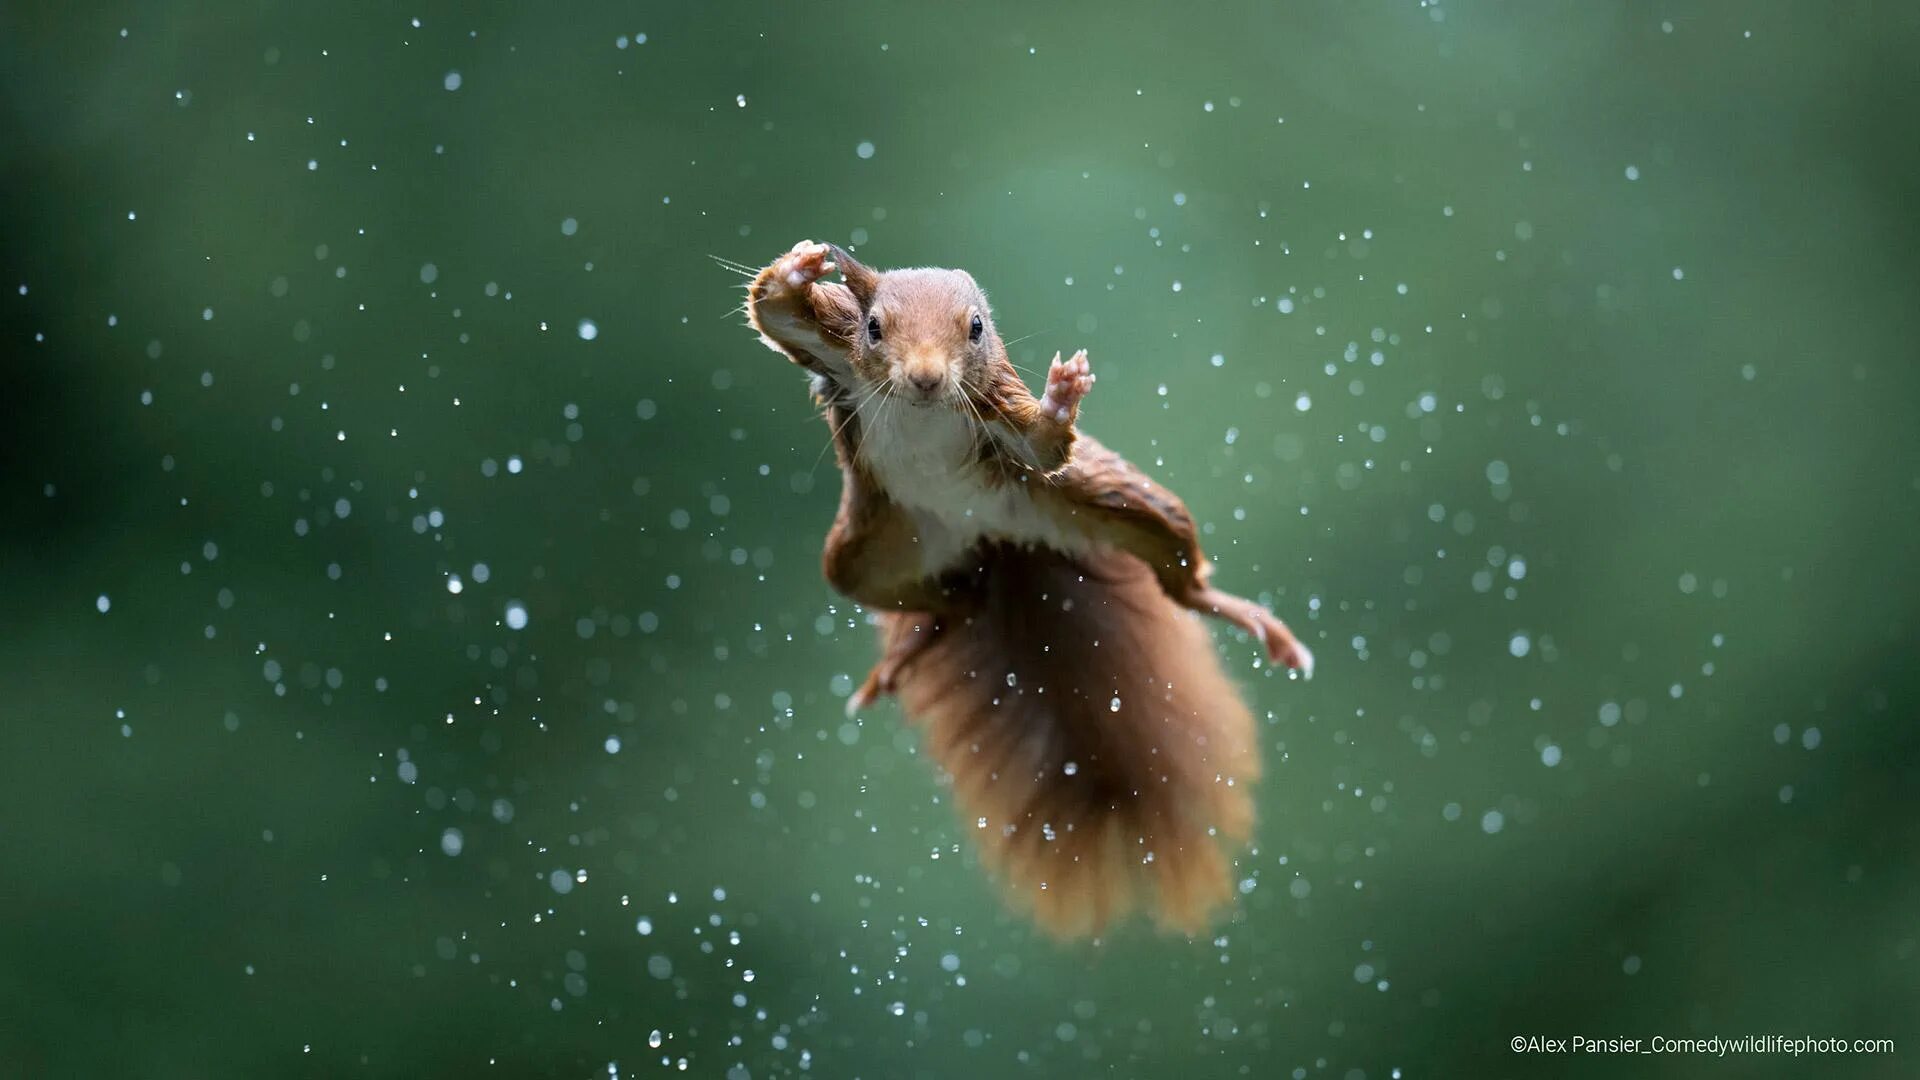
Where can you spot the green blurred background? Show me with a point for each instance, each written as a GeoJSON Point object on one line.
{"type": "Point", "coordinates": [1550, 366]}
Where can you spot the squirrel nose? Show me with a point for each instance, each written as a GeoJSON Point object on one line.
{"type": "Point", "coordinates": [926, 381]}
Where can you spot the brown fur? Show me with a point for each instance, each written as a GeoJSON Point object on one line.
{"type": "Point", "coordinates": [1021, 683]}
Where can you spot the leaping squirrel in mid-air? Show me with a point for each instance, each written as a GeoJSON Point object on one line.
{"type": "Point", "coordinates": [1032, 590]}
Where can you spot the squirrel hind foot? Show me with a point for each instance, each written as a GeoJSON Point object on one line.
{"type": "Point", "coordinates": [1275, 639]}
{"type": "Point", "coordinates": [1301, 661]}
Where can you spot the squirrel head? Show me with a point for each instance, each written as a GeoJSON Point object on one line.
{"type": "Point", "coordinates": [925, 336]}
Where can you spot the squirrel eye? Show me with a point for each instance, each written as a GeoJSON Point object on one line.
{"type": "Point", "coordinates": [873, 328]}
{"type": "Point", "coordinates": [974, 331]}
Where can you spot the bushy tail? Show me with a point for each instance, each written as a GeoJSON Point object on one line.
{"type": "Point", "coordinates": [1091, 736]}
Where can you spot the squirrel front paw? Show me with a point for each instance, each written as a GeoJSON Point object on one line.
{"type": "Point", "coordinates": [805, 264]}
{"type": "Point", "coordinates": [1067, 383]}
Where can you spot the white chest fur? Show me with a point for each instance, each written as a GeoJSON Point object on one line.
{"type": "Point", "coordinates": [926, 459]}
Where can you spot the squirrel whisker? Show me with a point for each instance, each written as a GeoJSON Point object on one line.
{"type": "Point", "coordinates": [739, 268]}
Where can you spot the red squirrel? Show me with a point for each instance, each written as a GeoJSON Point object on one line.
{"type": "Point", "coordinates": [1033, 593]}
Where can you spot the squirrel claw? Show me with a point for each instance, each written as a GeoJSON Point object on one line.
{"type": "Point", "coordinates": [1300, 658]}
{"type": "Point", "coordinates": [861, 698]}
{"type": "Point", "coordinates": [1067, 383]}
{"type": "Point", "coordinates": [1283, 648]}
{"type": "Point", "coordinates": [1278, 642]}
{"type": "Point", "coordinates": [805, 264]}
{"type": "Point", "coordinates": [878, 682]}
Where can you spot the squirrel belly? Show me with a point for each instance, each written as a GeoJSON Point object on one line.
{"type": "Point", "coordinates": [927, 461]}
{"type": "Point", "coordinates": [1101, 755]}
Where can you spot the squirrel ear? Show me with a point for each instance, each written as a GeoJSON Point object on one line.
{"type": "Point", "coordinates": [861, 278]}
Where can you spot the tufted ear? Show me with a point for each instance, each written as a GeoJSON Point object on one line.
{"type": "Point", "coordinates": [861, 278]}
